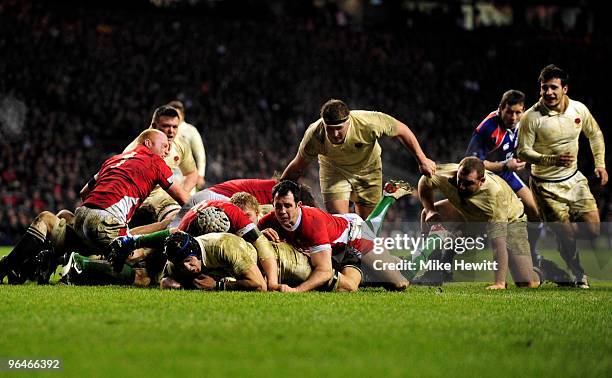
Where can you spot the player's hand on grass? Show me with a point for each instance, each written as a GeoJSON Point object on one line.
{"type": "Point", "coordinates": [427, 167]}
{"type": "Point", "coordinates": [271, 234]}
{"type": "Point", "coordinates": [204, 282]}
{"type": "Point", "coordinates": [602, 175]}
{"type": "Point", "coordinates": [497, 286]}
{"type": "Point", "coordinates": [514, 165]}
{"type": "Point", "coordinates": [287, 289]}
{"type": "Point", "coordinates": [169, 283]}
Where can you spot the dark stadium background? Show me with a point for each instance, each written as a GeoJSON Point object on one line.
{"type": "Point", "coordinates": [79, 80]}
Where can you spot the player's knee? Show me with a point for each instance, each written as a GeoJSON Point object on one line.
{"type": "Point", "coordinates": [347, 285]}
{"type": "Point", "coordinates": [592, 229]}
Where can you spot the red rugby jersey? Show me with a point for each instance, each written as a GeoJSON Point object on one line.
{"type": "Point", "coordinates": [126, 180]}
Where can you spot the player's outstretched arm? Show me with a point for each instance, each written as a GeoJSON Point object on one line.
{"type": "Point", "coordinates": [295, 169]}
{"type": "Point", "coordinates": [407, 137]}
{"type": "Point", "coordinates": [190, 181]}
{"type": "Point", "coordinates": [500, 253]}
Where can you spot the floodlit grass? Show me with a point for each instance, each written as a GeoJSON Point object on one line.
{"type": "Point", "coordinates": [456, 330]}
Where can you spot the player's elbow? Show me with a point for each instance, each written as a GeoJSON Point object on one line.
{"type": "Point", "coordinates": [260, 286]}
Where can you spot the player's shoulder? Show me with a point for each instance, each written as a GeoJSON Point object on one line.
{"type": "Point", "coordinates": [315, 131]}
{"type": "Point", "coordinates": [367, 117]}
{"type": "Point", "coordinates": [494, 183]}
{"type": "Point", "coordinates": [446, 170]}
{"type": "Point", "coordinates": [267, 219]}
{"type": "Point", "coordinates": [578, 106]}
{"type": "Point", "coordinates": [534, 113]}
{"type": "Point", "coordinates": [488, 124]}
{"type": "Point", "coordinates": [181, 144]}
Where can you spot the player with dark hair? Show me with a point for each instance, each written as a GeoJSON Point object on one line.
{"type": "Point", "coordinates": [476, 195]}
{"type": "Point", "coordinates": [191, 134]}
{"type": "Point", "coordinates": [261, 189]}
{"type": "Point", "coordinates": [341, 242]}
{"type": "Point", "coordinates": [548, 140]}
{"type": "Point", "coordinates": [237, 216]}
{"type": "Point", "coordinates": [179, 158]}
{"type": "Point", "coordinates": [350, 166]}
{"type": "Point", "coordinates": [191, 257]}
{"type": "Point", "coordinates": [494, 141]}
{"type": "Point", "coordinates": [215, 262]}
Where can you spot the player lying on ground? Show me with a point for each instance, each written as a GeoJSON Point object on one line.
{"type": "Point", "coordinates": [342, 241]}
{"type": "Point", "coordinates": [221, 261]}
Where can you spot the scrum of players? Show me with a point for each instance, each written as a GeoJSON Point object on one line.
{"type": "Point", "coordinates": [268, 234]}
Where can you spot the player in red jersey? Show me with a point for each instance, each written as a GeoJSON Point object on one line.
{"type": "Point", "coordinates": [110, 198]}
{"type": "Point", "coordinates": [258, 188]}
{"type": "Point", "coordinates": [333, 241]}
{"type": "Point", "coordinates": [122, 184]}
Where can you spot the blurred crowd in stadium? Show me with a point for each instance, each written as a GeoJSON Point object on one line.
{"type": "Point", "coordinates": [77, 85]}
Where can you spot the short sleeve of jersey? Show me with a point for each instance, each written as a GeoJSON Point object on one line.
{"type": "Point", "coordinates": [313, 141]}
{"type": "Point", "coordinates": [443, 173]}
{"type": "Point", "coordinates": [382, 124]}
{"type": "Point", "coordinates": [314, 230]}
{"type": "Point", "coordinates": [164, 178]}
{"type": "Point", "coordinates": [477, 146]}
{"type": "Point", "coordinates": [239, 222]}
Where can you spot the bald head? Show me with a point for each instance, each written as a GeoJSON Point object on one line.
{"type": "Point", "coordinates": [154, 140]}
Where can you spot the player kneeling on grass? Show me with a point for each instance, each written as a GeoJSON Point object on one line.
{"type": "Point", "coordinates": [476, 195]}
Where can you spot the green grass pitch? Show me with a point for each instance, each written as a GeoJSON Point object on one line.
{"type": "Point", "coordinates": [456, 330]}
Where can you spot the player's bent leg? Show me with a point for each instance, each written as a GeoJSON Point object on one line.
{"type": "Point", "coordinates": [387, 278]}
{"type": "Point", "coordinates": [337, 206]}
{"type": "Point", "coordinates": [363, 210]}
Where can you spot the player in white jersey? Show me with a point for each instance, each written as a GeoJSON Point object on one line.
{"type": "Point", "coordinates": [548, 139]}
{"type": "Point", "coordinates": [193, 138]}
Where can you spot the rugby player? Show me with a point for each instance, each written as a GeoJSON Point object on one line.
{"type": "Point", "coordinates": [179, 157]}
{"type": "Point", "coordinates": [340, 242]}
{"type": "Point", "coordinates": [350, 166]}
{"type": "Point", "coordinates": [475, 195]}
{"type": "Point", "coordinates": [549, 141]}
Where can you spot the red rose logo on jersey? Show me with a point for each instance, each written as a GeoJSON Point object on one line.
{"type": "Point", "coordinates": [577, 121]}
